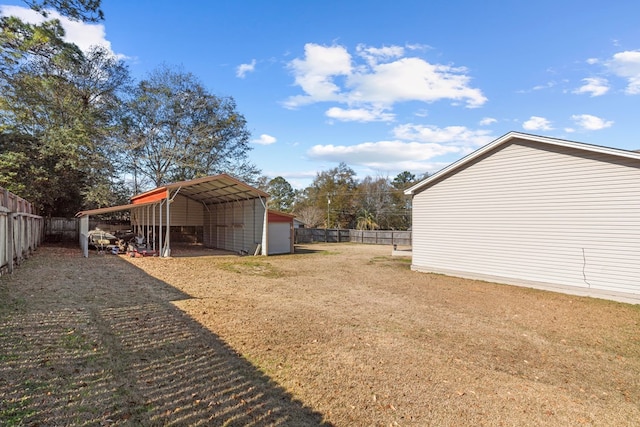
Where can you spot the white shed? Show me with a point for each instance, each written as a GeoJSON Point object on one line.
{"type": "Point", "coordinates": [532, 210]}
{"type": "Point", "coordinates": [280, 232]}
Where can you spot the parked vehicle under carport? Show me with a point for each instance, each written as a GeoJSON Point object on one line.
{"type": "Point", "coordinates": [102, 240]}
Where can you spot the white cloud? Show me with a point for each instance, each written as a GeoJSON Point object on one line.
{"type": "Point", "coordinates": [627, 65]}
{"type": "Point", "coordinates": [414, 148]}
{"type": "Point", "coordinates": [329, 73]}
{"type": "Point", "coordinates": [413, 79]}
{"type": "Point", "coordinates": [418, 46]}
{"type": "Point", "coordinates": [243, 69]}
{"type": "Point", "coordinates": [373, 55]}
{"type": "Point", "coordinates": [82, 34]}
{"type": "Point", "coordinates": [537, 123]}
{"type": "Point", "coordinates": [547, 85]}
{"type": "Point", "coordinates": [595, 86]}
{"type": "Point", "coordinates": [488, 121]}
{"type": "Point", "coordinates": [372, 154]}
{"type": "Point", "coordinates": [458, 135]}
{"type": "Point", "coordinates": [265, 140]}
{"type": "Point", "coordinates": [315, 73]}
{"type": "Point", "coordinates": [359, 115]}
{"type": "Point", "coordinates": [589, 122]}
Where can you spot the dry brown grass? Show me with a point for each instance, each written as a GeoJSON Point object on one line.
{"type": "Point", "coordinates": [337, 334]}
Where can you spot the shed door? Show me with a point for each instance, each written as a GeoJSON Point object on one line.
{"type": "Point", "coordinates": [279, 238]}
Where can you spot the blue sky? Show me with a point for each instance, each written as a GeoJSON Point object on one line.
{"type": "Point", "coordinates": [388, 86]}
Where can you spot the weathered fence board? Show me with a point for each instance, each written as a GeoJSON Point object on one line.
{"type": "Point", "coordinates": [61, 229]}
{"type": "Point", "coordinates": [21, 231]}
{"type": "Point", "coordinates": [381, 237]}
{"type": "Point", "coordinates": [331, 235]}
{"type": "Point", "coordinates": [314, 235]}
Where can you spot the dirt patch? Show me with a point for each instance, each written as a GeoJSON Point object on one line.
{"type": "Point", "coordinates": [339, 334]}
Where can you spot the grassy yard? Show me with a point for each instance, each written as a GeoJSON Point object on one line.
{"type": "Point", "coordinates": [338, 334]}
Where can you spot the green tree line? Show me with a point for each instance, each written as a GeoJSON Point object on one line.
{"type": "Point", "coordinates": [336, 199]}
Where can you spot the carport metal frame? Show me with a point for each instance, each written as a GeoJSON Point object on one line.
{"type": "Point", "coordinates": [207, 191]}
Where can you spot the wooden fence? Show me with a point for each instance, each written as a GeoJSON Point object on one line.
{"type": "Point", "coordinates": [332, 235]}
{"type": "Point", "coordinates": [21, 230]}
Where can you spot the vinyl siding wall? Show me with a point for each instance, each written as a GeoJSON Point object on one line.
{"type": "Point", "coordinates": [234, 226]}
{"type": "Point", "coordinates": [535, 212]}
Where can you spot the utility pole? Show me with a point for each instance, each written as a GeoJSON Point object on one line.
{"type": "Point", "coordinates": [328, 205]}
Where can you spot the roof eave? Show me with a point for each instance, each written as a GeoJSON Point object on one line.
{"type": "Point", "coordinates": [519, 135]}
{"type": "Point", "coordinates": [111, 209]}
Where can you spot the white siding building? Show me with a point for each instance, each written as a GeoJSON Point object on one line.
{"type": "Point", "coordinates": [533, 210]}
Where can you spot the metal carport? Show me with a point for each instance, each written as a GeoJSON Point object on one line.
{"type": "Point", "coordinates": [233, 214]}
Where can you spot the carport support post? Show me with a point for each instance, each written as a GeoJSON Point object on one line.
{"type": "Point", "coordinates": [153, 228]}
{"type": "Point", "coordinates": [265, 228]}
{"type": "Point", "coordinates": [167, 252]}
{"type": "Point", "coordinates": [146, 225]}
{"type": "Point", "coordinates": [265, 232]}
{"type": "Point", "coordinates": [160, 228]}
{"type": "Point", "coordinates": [84, 235]}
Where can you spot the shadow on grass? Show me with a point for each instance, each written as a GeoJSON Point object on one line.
{"type": "Point", "coordinates": [306, 250]}
{"type": "Point", "coordinates": [98, 342]}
